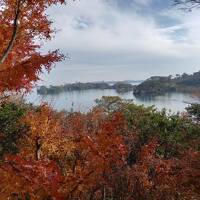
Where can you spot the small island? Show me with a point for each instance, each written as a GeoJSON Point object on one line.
{"type": "Point", "coordinates": [120, 87]}
{"type": "Point", "coordinates": [153, 86]}
{"type": "Point", "coordinates": [158, 85]}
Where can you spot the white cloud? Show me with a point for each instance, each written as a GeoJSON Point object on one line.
{"type": "Point", "coordinates": [144, 2]}
{"type": "Point", "coordinates": [96, 33]}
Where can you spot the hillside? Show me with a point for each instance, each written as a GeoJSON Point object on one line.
{"type": "Point", "coordinates": [158, 85]}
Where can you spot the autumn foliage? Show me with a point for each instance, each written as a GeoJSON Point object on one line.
{"type": "Point", "coordinates": [117, 151]}
{"type": "Point", "coordinates": [24, 178]}
{"type": "Point", "coordinates": [87, 156]}
{"type": "Point", "coordinates": [22, 23]}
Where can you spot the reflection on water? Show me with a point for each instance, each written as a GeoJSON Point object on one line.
{"type": "Point", "coordinates": [84, 100]}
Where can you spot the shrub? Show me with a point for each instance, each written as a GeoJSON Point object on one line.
{"type": "Point", "coordinates": [173, 130]}
{"type": "Point", "coordinates": [10, 127]}
{"type": "Point", "coordinates": [194, 111]}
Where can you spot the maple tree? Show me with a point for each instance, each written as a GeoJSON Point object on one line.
{"type": "Point", "coordinates": [23, 24]}
{"type": "Point", "coordinates": [116, 151]}
{"type": "Point", "coordinates": [45, 136]}
{"type": "Point", "coordinates": [99, 154]}
{"type": "Point", "coordinates": [77, 153]}
{"type": "Point", "coordinates": [96, 155]}
{"type": "Point", "coordinates": [28, 179]}
{"type": "Point", "coordinates": [153, 177]}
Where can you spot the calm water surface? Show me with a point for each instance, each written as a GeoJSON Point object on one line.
{"type": "Point", "coordinates": [84, 100]}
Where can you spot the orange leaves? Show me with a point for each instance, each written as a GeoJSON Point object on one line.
{"type": "Point", "coordinates": [84, 156]}
{"type": "Point", "coordinates": [45, 137]}
{"type": "Point", "coordinates": [25, 73]}
{"type": "Point", "coordinates": [21, 23]}
{"type": "Point", "coordinates": [98, 154]}
{"type": "Point", "coordinates": [88, 148]}
{"type": "Point", "coordinates": [42, 122]}
{"type": "Point", "coordinates": [153, 177]}
{"type": "Point", "coordinates": [20, 177]}
{"type": "Point", "coordinates": [43, 172]}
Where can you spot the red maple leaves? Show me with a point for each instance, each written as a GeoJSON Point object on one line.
{"type": "Point", "coordinates": [38, 179]}
{"type": "Point", "coordinates": [22, 23]}
{"type": "Point", "coordinates": [85, 156]}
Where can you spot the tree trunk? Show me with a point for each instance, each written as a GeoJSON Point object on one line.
{"type": "Point", "coordinates": [38, 149]}
{"type": "Point", "coordinates": [14, 35]}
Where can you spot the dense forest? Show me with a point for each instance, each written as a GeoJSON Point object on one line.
{"type": "Point", "coordinates": [117, 151]}
{"type": "Point", "coordinates": [157, 85]}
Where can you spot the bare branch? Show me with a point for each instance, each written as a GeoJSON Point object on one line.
{"type": "Point", "coordinates": [187, 5]}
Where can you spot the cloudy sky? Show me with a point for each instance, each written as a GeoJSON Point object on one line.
{"type": "Point", "coordinates": [123, 40]}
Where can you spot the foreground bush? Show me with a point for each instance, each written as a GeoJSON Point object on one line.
{"type": "Point", "coordinates": [194, 111]}
{"type": "Point", "coordinates": [174, 131]}
{"type": "Point", "coordinates": [116, 151]}
{"type": "Point", "coordinates": [10, 128]}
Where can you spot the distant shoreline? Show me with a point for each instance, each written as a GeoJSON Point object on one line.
{"type": "Point", "coordinates": [153, 86]}
{"type": "Point", "coordinates": [119, 86]}
{"type": "Point", "coordinates": [159, 85]}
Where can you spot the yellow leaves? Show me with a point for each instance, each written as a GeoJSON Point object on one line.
{"type": "Point", "coordinates": [84, 156]}
{"type": "Point", "coordinates": [45, 134]}
{"type": "Point", "coordinates": [41, 123]}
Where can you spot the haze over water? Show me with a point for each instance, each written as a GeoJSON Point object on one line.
{"type": "Point", "coordinates": [84, 100]}
{"type": "Point", "coordinates": [121, 40]}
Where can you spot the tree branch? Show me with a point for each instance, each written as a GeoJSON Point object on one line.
{"type": "Point", "coordinates": [14, 34]}
{"type": "Point", "coordinates": [187, 5]}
